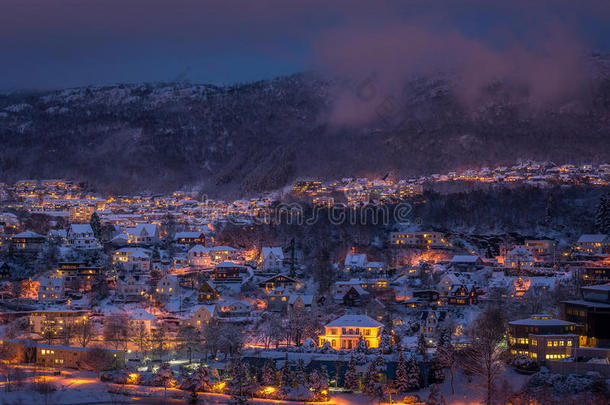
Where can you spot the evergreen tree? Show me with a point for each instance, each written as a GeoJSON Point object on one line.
{"type": "Point", "coordinates": [361, 347]}
{"type": "Point", "coordinates": [601, 215]}
{"type": "Point", "coordinates": [435, 397]}
{"type": "Point", "coordinates": [350, 379]}
{"type": "Point", "coordinates": [413, 375]}
{"type": "Point", "coordinates": [299, 374]}
{"type": "Point", "coordinates": [371, 379]}
{"type": "Point", "coordinates": [436, 370]}
{"type": "Point", "coordinates": [401, 381]}
{"type": "Point", "coordinates": [285, 374]}
{"type": "Point", "coordinates": [269, 374]}
{"type": "Point", "coordinates": [386, 342]}
{"type": "Point", "coordinates": [421, 346]}
{"type": "Point", "coordinates": [96, 225]}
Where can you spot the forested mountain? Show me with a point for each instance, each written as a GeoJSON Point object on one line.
{"type": "Point", "coordinates": [247, 138]}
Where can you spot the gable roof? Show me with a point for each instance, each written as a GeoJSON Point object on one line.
{"type": "Point", "coordinates": [81, 228]}
{"type": "Point", "coordinates": [275, 251]}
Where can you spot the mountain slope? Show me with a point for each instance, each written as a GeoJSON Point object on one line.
{"type": "Point", "coordinates": [259, 136]}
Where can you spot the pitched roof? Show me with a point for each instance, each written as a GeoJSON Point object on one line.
{"type": "Point", "coordinates": [598, 238]}
{"type": "Point", "coordinates": [355, 321]}
{"type": "Point", "coordinates": [81, 228]}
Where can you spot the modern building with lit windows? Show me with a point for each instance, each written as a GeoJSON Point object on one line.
{"type": "Point", "coordinates": [542, 338]}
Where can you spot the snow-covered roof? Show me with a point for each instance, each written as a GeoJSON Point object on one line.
{"type": "Point", "coordinates": [276, 251]}
{"type": "Point", "coordinates": [540, 322]}
{"type": "Point", "coordinates": [28, 234]}
{"type": "Point", "coordinates": [81, 228]}
{"type": "Point", "coordinates": [464, 259]}
{"type": "Point", "coordinates": [355, 321]}
{"type": "Point", "coordinates": [228, 264]}
{"type": "Point", "coordinates": [179, 235]}
{"type": "Point", "coordinates": [593, 238]}
{"type": "Point", "coordinates": [198, 249]}
{"type": "Point", "coordinates": [355, 259]}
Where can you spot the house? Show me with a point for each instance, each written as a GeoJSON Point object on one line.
{"type": "Point", "coordinates": [592, 313]}
{"type": "Point", "coordinates": [540, 248]}
{"type": "Point", "coordinates": [355, 262]}
{"type": "Point", "coordinates": [593, 245]}
{"type": "Point", "coordinates": [463, 294]}
{"type": "Point", "coordinates": [421, 240]}
{"type": "Point", "coordinates": [78, 276]}
{"type": "Point", "coordinates": [40, 320]}
{"type": "Point", "coordinates": [77, 357]}
{"type": "Point", "coordinates": [143, 234]}
{"type": "Point", "coordinates": [132, 259]}
{"type": "Point", "coordinates": [345, 332]}
{"type": "Point", "coordinates": [519, 258]}
{"type": "Point", "coordinates": [132, 288]}
{"type": "Point", "coordinates": [272, 259]}
{"type": "Point", "coordinates": [431, 322]}
{"type": "Point", "coordinates": [375, 267]}
{"type": "Point", "coordinates": [80, 236]}
{"type": "Point", "coordinates": [200, 315]}
{"type": "Point", "coordinates": [27, 242]}
{"type": "Point", "coordinates": [542, 338]}
{"type": "Point", "coordinates": [199, 256]}
{"type": "Point", "coordinates": [207, 292]}
{"type": "Point", "coordinates": [282, 281]}
{"type": "Point", "coordinates": [466, 262]}
{"type": "Point", "coordinates": [452, 278]}
{"type": "Point", "coordinates": [5, 270]}
{"type": "Point", "coordinates": [167, 286]}
{"type": "Point", "coordinates": [51, 290]}
{"type": "Point", "coordinates": [301, 302]}
{"type": "Point", "coordinates": [277, 300]}
{"type": "Point", "coordinates": [190, 238]}
{"type": "Point", "coordinates": [141, 318]}
{"type": "Point", "coordinates": [220, 254]}
{"type": "Point", "coordinates": [232, 309]}
{"type": "Point", "coordinates": [228, 272]}
{"type": "Point", "coordinates": [355, 296]}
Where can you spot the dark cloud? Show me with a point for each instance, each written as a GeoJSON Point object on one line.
{"type": "Point", "coordinates": [73, 42]}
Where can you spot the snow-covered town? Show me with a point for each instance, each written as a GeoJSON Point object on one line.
{"type": "Point", "coordinates": [343, 202]}
{"type": "Point", "coordinates": [134, 294]}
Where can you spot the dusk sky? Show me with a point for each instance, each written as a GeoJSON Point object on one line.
{"type": "Point", "coordinates": [67, 43]}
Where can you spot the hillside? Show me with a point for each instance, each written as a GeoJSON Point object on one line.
{"type": "Point", "coordinates": [252, 137]}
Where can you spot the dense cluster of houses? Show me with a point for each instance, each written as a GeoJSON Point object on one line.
{"type": "Point", "coordinates": [163, 269]}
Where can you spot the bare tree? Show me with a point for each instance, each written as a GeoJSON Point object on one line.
{"type": "Point", "coordinates": [483, 357]}
{"type": "Point", "coordinates": [85, 332]}
{"type": "Point", "coordinates": [190, 340]}
{"type": "Point", "coordinates": [138, 335]}
{"type": "Point", "coordinates": [116, 330]}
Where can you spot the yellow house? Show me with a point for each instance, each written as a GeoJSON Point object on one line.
{"type": "Point", "coordinates": [344, 332]}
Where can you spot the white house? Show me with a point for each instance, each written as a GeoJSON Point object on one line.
{"type": "Point", "coordinates": [132, 288]}
{"type": "Point", "coordinates": [81, 236]}
{"type": "Point", "coordinates": [232, 309]}
{"type": "Point", "coordinates": [200, 315]}
{"type": "Point", "coordinates": [272, 259]}
{"type": "Point", "coordinates": [143, 234]}
{"type": "Point", "coordinates": [594, 244]}
{"type": "Point", "coordinates": [51, 290]}
{"type": "Point", "coordinates": [167, 285]}
{"type": "Point", "coordinates": [199, 256]}
{"type": "Point", "coordinates": [141, 317]}
{"type": "Point", "coordinates": [519, 258]}
{"type": "Point", "coordinates": [131, 258]}
{"type": "Point", "coordinates": [355, 261]}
